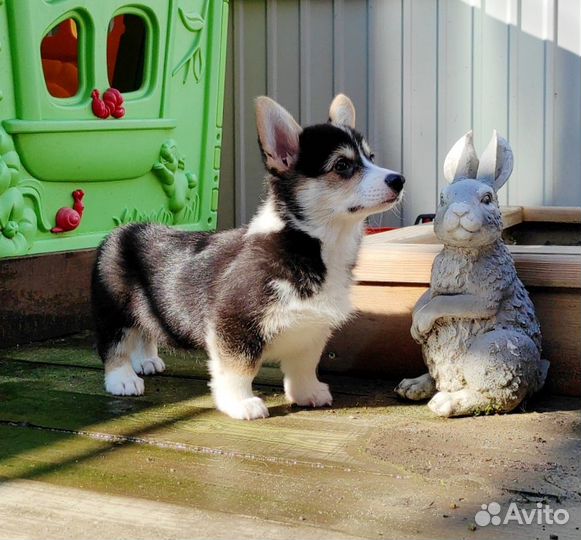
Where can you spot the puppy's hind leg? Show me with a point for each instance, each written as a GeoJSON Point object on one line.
{"type": "Point", "coordinates": [120, 378]}
{"type": "Point", "coordinates": [144, 358]}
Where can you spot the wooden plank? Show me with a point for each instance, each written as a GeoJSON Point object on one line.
{"type": "Point", "coordinates": [511, 215]}
{"type": "Point", "coordinates": [165, 459]}
{"type": "Point", "coordinates": [559, 313]}
{"type": "Point", "coordinates": [426, 248]}
{"type": "Point", "coordinates": [545, 250]}
{"type": "Point", "coordinates": [340, 503]}
{"type": "Point", "coordinates": [211, 482]}
{"type": "Point", "coordinates": [406, 263]}
{"type": "Point", "coordinates": [407, 502]}
{"type": "Point", "coordinates": [416, 234]}
{"type": "Point", "coordinates": [175, 409]}
{"type": "Point", "coordinates": [552, 214]}
{"type": "Point", "coordinates": [397, 473]}
{"type": "Point", "coordinates": [424, 233]}
{"type": "Point", "coordinates": [548, 270]}
{"type": "Point", "coordinates": [377, 342]}
{"type": "Point", "coordinates": [37, 510]}
{"type": "Point", "coordinates": [78, 351]}
{"type": "Point", "coordinates": [412, 263]}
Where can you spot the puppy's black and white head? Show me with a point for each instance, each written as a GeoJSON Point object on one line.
{"type": "Point", "coordinates": [323, 172]}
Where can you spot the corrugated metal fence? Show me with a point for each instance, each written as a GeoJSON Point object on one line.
{"type": "Point", "coordinates": [421, 73]}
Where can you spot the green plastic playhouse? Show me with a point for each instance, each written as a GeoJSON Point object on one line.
{"type": "Point", "coordinates": [110, 113]}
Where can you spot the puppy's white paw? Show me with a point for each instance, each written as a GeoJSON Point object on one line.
{"type": "Point", "coordinates": [123, 381]}
{"type": "Point", "coordinates": [314, 394]}
{"type": "Point", "coordinates": [245, 409]}
{"type": "Point", "coordinates": [148, 366]}
{"type": "Point", "coordinates": [443, 404]}
{"type": "Point", "coordinates": [416, 389]}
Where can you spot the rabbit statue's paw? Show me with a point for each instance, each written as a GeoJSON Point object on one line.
{"type": "Point", "coordinates": [422, 323]}
{"type": "Point", "coordinates": [463, 402]}
{"type": "Point", "coordinates": [423, 387]}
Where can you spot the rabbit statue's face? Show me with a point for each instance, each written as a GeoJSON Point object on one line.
{"type": "Point", "coordinates": [468, 215]}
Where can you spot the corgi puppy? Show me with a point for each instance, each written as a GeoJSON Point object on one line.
{"type": "Point", "coordinates": [272, 290]}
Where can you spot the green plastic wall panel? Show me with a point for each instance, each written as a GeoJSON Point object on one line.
{"type": "Point", "coordinates": [158, 163]}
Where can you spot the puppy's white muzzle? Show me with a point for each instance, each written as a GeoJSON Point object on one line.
{"type": "Point", "coordinates": [375, 191]}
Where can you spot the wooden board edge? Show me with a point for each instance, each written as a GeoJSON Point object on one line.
{"type": "Point", "coordinates": [554, 214]}
{"type": "Point", "coordinates": [391, 264]}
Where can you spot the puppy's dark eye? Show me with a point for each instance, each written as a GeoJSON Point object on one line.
{"type": "Point", "coordinates": [341, 165]}
{"type": "Point", "coordinates": [487, 199]}
{"type": "Point", "coordinates": [372, 157]}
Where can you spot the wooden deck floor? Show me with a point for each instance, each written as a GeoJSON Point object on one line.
{"type": "Point", "coordinates": [78, 463]}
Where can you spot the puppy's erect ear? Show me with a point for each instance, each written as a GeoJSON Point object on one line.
{"type": "Point", "coordinates": [342, 111]}
{"type": "Point", "coordinates": [496, 162]}
{"type": "Point", "coordinates": [278, 134]}
{"type": "Point", "coordinates": [461, 161]}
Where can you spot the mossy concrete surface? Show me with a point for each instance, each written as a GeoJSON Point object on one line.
{"type": "Point", "coordinates": [78, 463]}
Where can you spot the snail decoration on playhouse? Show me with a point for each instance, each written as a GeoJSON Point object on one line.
{"type": "Point", "coordinates": [480, 337]}
{"type": "Point", "coordinates": [68, 219]}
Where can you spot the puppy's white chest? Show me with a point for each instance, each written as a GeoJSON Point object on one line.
{"type": "Point", "coordinates": [301, 325]}
{"type": "Point", "coordinates": [330, 307]}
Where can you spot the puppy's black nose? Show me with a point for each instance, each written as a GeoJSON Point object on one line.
{"type": "Point", "coordinates": [395, 181]}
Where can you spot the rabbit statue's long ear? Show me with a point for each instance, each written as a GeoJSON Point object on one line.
{"type": "Point", "coordinates": [461, 161]}
{"type": "Point", "coordinates": [496, 162]}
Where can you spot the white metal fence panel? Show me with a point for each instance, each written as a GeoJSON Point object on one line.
{"type": "Point", "coordinates": [421, 73]}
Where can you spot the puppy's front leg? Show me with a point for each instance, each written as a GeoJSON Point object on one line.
{"type": "Point", "coordinates": [232, 374]}
{"type": "Point", "coordinates": [301, 384]}
{"type": "Point", "coordinates": [231, 386]}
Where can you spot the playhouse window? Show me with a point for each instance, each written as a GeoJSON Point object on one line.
{"type": "Point", "coordinates": [59, 52]}
{"type": "Point", "coordinates": [126, 52]}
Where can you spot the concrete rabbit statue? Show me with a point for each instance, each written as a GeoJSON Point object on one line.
{"type": "Point", "coordinates": [480, 337]}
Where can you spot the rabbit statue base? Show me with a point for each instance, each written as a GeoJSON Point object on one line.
{"type": "Point", "coordinates": [480, 337]}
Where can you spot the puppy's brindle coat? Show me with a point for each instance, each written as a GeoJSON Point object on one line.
{"type": "Point", "coordinates": [272, 290]}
